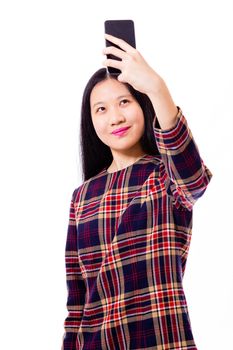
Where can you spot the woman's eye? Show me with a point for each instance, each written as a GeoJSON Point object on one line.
{"type": "Point", "coordinates": [125, 101]}
{"type": "Point", "coordinates": [100, 109]}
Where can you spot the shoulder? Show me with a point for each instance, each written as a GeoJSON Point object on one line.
{"type": "Point", "coordinates": [76, 194]}
{"type": "Point", "coordinates": [88, 186]}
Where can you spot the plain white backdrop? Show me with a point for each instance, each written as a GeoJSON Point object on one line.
{"type": "Point", "coordinates": [49, 49]}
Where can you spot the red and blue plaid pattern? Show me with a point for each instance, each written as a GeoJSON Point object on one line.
{"type": "Point", "coordinates": [128, 239]}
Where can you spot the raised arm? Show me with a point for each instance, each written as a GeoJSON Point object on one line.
{"type": "Point", "coordinates": [184, 170]}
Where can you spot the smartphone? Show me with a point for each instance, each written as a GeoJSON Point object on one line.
{"type": "Point", "coordinates": [123, 29]}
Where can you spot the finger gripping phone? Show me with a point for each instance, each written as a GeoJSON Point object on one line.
{"type": "Point", "coordinates": [122, 29]}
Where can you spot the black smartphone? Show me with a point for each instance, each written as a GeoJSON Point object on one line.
{"type": "Point", "coordinates": [123, 29]}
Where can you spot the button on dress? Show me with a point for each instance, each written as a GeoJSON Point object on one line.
{"type": "Point", "coordinates": [127, 244]}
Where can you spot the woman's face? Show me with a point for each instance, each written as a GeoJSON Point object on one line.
{"type": "Point", "coordinates": [113, 107]}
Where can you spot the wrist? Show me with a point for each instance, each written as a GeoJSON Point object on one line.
{"type": "Point", "coordinates": [158, 88]}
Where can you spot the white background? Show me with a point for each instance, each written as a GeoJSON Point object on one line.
{"type": "Point", "coordinates": [49, 49]}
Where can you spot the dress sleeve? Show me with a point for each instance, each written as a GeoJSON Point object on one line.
{"type": "Point", "coordinates": [75, 284]}
{"type": "Point", "coordinates": [184, 170]}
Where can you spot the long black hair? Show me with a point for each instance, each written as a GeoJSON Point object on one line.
{"type": "Point", "coordinates": [95, 154]}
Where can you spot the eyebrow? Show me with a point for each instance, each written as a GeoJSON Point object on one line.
{"type": "Point", "coordinates": [118, 98]}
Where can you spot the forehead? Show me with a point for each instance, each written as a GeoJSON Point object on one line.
{"type": "Point", "coordinates": [107, 90]}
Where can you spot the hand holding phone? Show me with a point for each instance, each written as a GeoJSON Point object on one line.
{"type": "Point", "coordinates": [122, 29]}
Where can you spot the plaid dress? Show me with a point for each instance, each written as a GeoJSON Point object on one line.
{"type": "Point", "coordinates": [128, 239]}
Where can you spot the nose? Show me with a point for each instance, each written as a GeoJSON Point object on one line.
{"type": "Point", "coordinates": [116, 116]}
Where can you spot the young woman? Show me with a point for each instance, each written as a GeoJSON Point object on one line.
{"type": "Point", "coordinates": [131, 220]}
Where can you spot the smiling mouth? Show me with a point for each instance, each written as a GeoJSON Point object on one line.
{"type": "Point", "coordinates": [120, 131]}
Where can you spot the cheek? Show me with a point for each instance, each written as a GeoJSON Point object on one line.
{"type": "Point", "coordinates": [99, 126]}
{"type": "Point", "coordinates": [137, 113]}
{"type": "Point", "coordinates": [139, 117]}
{"type": "Point", "coordinates": [141, 124]}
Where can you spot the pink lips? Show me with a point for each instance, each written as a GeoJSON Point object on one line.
{"type": "Point", "coordinates": [120, 131]}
